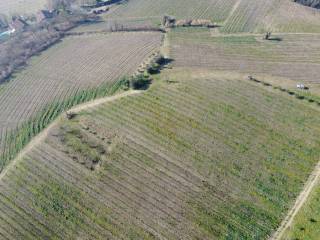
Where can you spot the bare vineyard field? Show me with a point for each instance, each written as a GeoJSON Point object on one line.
{"type": "Point", "coordinates": [289, 61]}
{"type": "Point", "coordinates": [306, 224]}
{"type": "Point", "coordinates": [287, 16]}
{"type": "Point", "coordinates": [12, 7]}
{"type": "Point", "coordinates": [232, 15]}
{"type": "Point", "coordinates": [216, 10]}
{"type": "Point", "coordinates": [141, 13]}
{"type": "Point", "coordinates": [198, 155]}
{"type": "Point", "coordinates": [276, 16]}
{"type": "Point", "coordinates": [75, 64]}
{"type": "Point", "coordinates": [109, 25]}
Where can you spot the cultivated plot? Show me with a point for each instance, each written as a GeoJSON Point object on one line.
{"type": "Point", "coordinates": [277, 16]}
{"type": "Point", "coordinates": [233, 16]}
{"type": "Point", "coordinates": [198, 155]}
{"type": "Point", "coordinates": [216, 10]}
{"type": "Point", "coordinates": [286, 56]}
{"type": "Point", "coordinates": [76, 63]}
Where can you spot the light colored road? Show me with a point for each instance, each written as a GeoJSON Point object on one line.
{"type": "Point", "coordinates": [42, 136]}
{"type": "Point", "coordinates": [302, 198]}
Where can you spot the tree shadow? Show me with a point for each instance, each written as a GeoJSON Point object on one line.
{"type": "Point", "coordinates": [275, 39]}
{"type": "Point", "coordinates": [166, 61]}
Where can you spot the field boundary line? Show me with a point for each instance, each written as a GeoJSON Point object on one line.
{"type": "Point", "coordinates": [43, 134]}
{"type": "Point", "coordinates": [302, 198]}
{"type": "Point", "coordinates": [107, 32]}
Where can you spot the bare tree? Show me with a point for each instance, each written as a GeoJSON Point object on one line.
{"type": "Point", "coordinates": [267, 36]}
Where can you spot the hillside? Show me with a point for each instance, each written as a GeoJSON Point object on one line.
{"type": "Point", "coordinates": [233, 16]}
{"type": "Point", "coordinates": [199, 155]}
{"type": "Point", "coordinates": [220, 145]}
{"type": "Point", "coordinates": [63, 71]}
{"type": "Point", "coordinates": [284, 60]}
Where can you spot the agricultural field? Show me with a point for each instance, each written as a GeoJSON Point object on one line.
{"type": "Point", "coordinates": [233, 16]}
{"type": "Point", "coordinates": [285, 61]}
{"type": "Point", "coordinates": [219, 146]}
{"type": "Point", "coordinates": [200, 155]}
{"type": "Point", "coordinates": [13, 7]}
{"type": "Point", "coordinates": [217, 10]}
{"type": "Point", "coordinates": [110, 25]}
{"type": "Point", "coordinates": [67, 68]}
{"type": "Point", "coordinates": [306, 224]}
{"type": "Point", "coordinates": [276, 16]}
{"type": "Point", "coordinates": [150, 13]}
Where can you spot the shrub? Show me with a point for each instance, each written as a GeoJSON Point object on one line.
{"type": "Point", "coordinates": [154, 68]}
{"type": "Point", "coordinates": [161, 60]}
{"type": "Point", "coordinates": [157, 64]}
{"type": "Point", "coordinates": [140, 81]}
{"type": "Point", "coordinates": [125, 83]}
{"type": "Point", "coordinates": [299, 96]}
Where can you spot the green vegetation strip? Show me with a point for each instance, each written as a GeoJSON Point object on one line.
{"type": "Point", "coordinates": [19, 138]}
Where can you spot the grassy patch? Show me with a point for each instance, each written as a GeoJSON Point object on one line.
{"type": "Point", "coordinates": [306, 224]}
{"type": "Point", "coordinates": [49, 199]}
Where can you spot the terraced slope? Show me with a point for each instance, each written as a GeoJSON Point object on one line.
{"type": "Point", "coordinates": [289, 58]}
{"type": "Point", "coordinates": [199, 155]}
{"type": "Point", "coordinates": [232, 15]}
{"type": "Point", "coordinates": [276, 16]}
{"type": "Point", "coordinates": [75, 64]}
{"type": "Point", "coordinates": [213, 9]}
{"type": "Point", "coordinates": [21, 6]}
{"type": "Point", "coordinates": [306, 224]}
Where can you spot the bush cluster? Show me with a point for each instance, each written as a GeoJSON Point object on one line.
{"type": "Point", "coordinates": [156, 65]}
{"type": "Point", "coordinates": [140, 81]}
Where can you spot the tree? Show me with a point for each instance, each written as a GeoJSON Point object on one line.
{"type": "Point", "coordinates": [267, 36]}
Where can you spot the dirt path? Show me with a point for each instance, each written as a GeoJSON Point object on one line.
{"type": "Point", "coordinates": [43, 134]}
{"type": "Point", "coordinates": [302, 198]}
{"type": "Point", "coordinates": [233, 10]}
{"type": "Point", "coordinates": [97, 102]}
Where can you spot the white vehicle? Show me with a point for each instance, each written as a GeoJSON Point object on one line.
{"type": "Point", "coordinates": [301, 86]}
